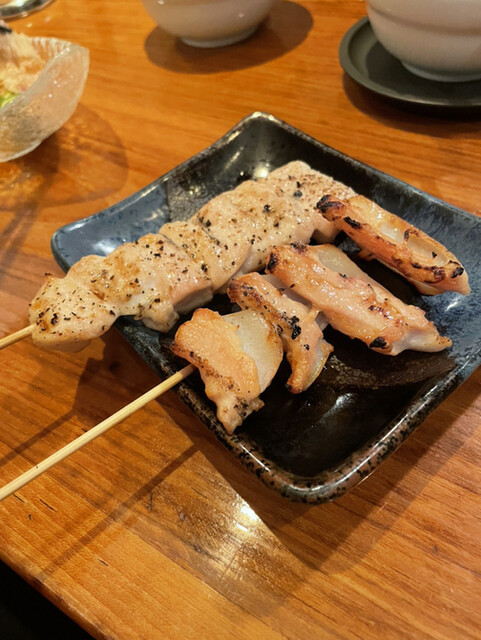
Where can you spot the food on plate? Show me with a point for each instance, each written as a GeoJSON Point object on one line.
{"type": "Point", "coordinates": [426, 263]}
{"type": "Point", "coordinates": [220, 249]}
{"type": "Point", "coordinates": [352, 302]}
{"type": "Point", "coordinates": [20, 64]}
{"type": "Point", "coordinates": [151, 279]}
{"type": "Point", "coordinates": [178, 269]}
{"type": "Point", "coordinates": [6, 97]}
{"type": "Point", "coordinates": [237, 356]}
{"type": "Point", "coordinates": [297, 322]}
{"type": "Point", "coordinates": [305, 184]}
{"type": "Point", "coordinates": [220, 252]}
{"type": "Point", "coordinates": [266, 212]}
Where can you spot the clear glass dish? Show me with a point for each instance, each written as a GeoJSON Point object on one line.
{"type": "Point", "coordinates": [50, 101]}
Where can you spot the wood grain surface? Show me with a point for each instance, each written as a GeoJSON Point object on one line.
{"type": "Point", "coordinates": [153, 530]}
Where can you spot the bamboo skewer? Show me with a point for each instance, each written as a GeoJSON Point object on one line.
{"type": "Point", "coordinates": [93, 433]}
{"type": "Point", "coordinates": [15, 337]}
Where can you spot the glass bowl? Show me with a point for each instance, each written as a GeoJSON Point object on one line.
{"type": "Point", "coordinates": [48, 103]}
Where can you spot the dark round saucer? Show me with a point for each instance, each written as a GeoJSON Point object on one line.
{"type": "Point", "coordinates": [367, 62]}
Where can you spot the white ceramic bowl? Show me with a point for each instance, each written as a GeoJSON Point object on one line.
{"type": "Point", "coordinates": [435, 39]}
{"type": "Point", "coordinates": [50, 101]}
{"type": "Point", "coordinates": [209, 23]}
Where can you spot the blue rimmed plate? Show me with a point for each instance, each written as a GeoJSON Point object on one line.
{"type": "Point", "coordinates": [315, 446]}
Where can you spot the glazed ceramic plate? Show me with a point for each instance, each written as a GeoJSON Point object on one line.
{"type": "Point", "coordinates": [367, 62]}
{"type": "Point", "coordinates": [314, 446]}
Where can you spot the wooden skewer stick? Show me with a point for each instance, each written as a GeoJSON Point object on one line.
{"type": "Point", "coordinates": [94, 432]}
{"type": "Point", "coordinates": [15, 337]}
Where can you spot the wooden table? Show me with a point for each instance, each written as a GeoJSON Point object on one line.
{"type": "Point", "coordinates": [154, 531]}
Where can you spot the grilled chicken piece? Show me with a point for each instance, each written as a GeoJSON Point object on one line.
{"type": "Point", "coordinates": [159, 276]}
{"type": "Point", "coordinates": [264, 215]}
{"type": "Point", "coordinates": [219, 255]}
{"type": "Point", "coordinates": [237, 356]}
{"type": "Point", "coordinates": [426, 263]}
{"type": "Point", "coordinates": [151, 279]}
{"type": "Point", "coordinates": [354, 303]}
{"type": "Point", "coordinates": [269, 212]}
{"type": "Point", "coordinates": [272, 220]}
{"type": "Point", "coordinates": [68, 316]}
{"type": "Point", "coordinates": [298, 324]}
{"type": "Point", "coordinates": [305, 187]}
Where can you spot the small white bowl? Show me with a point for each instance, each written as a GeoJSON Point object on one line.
{"type": "Point", "coordinates": [48, 103]}
{"type": "Point", "coordinates": [434, 39]}
{"type": "Point", "coordinates": [209, 23]}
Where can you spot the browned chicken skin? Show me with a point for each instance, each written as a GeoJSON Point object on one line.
{"type": "Point", "coordinates": [399, 245]}
{"type": "Point", "coordinates": [352, 302]}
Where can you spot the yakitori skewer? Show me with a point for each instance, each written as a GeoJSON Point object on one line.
{"type": "Point", "coordinates": [166, 274]}
{"type": "Point", "coordinates": [163, 275]}
{"type": "Point", "coordinates": [93, 433]}
{"type": "Point", "coordinates": [16, 337]}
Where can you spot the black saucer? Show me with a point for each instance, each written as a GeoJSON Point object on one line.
{"type": "Point", "coordinates": [367, 62]}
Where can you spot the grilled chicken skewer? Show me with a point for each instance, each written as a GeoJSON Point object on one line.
{"type": "Point", "coordinates": [352, 302]}
{"type": "Point", "coordinates": [163, 275]}
{"type": "Point", "coordinates": [426, 263]}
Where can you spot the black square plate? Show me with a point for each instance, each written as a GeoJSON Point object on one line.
{"type": "Point", "coordinates": [315, 446]}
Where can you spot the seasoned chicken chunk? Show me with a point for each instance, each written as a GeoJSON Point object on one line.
{"type": "Point", "coordinates": [298, 324]}
{"type": "Point", "coordinates": [271, 219]}
{"type": "Point", "coordinates": [305, 187]}
{"type": "Point", "coordinates": [354, 303]}
{"type": "Point", "coordinates": [263, 215]}
{"type": "Point", "coordinates": [426, 263]}
{"type": "Point", "coordinates": [237, 356]}
{"type": "Point", "coordinates": [219, 255]}
{"type": "Point", "coordinates": [150, 279]}
{"type": "Point", "coordinates": [269, 213]}
{"type": "Point", "coordinates": [151, 273]}
{"type": "Point", "coordinates": [67, 316]}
